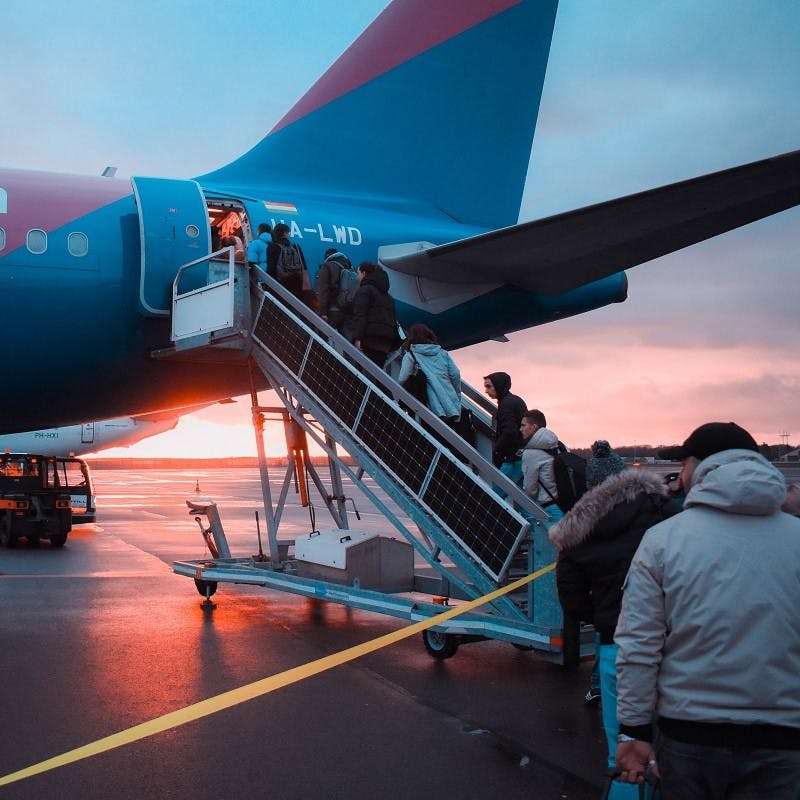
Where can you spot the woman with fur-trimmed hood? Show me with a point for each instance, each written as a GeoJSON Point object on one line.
{"type": "Point", "coordinates": [596, 540]}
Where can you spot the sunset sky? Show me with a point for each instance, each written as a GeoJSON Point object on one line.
{"type": "Point", "coordinates": [637, 95]}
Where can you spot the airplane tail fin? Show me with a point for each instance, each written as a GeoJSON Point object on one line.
{"type": "Point", "coordinates": [434, 104]}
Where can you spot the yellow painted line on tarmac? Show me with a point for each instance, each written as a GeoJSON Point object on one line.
{"type": "Point", "coordinates": [258, 688]}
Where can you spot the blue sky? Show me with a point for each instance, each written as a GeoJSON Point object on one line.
{"type": "Point", "coordinates": [636, 95]}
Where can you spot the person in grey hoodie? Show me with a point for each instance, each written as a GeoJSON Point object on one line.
{"type": "Point", "coordinates": [538, 477]}
{"type": "Point", "coordinates": [539, 483]}
{"type": "Point", "coordinates": [709, 632]}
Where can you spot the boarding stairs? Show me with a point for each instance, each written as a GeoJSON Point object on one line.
{"type": "Point", "coordinates": [472, 538]}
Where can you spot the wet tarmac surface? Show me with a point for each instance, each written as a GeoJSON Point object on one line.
{"type": "Point", "coordinates": [101, 636]}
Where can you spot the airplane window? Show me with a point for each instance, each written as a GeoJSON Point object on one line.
{"type": "Point", "coordinates": [3, 201]}
{"type": "Point", "coordinates": [193, 231]}
{"type": "Point", "coordinates": [78, 244]}
{"type": "Point", "coordinates": [2, 238]}
{"type": "Point", "coordinates": [36, 241]}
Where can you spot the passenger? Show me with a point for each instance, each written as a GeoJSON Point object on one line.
{"type": "Point", "coordinates": [603, 463]}
{"type": "Point", "coordinates": [215, 241]}
{"type": "Point", "coordinates": [506, 423]}
{"type": "Point", "coordinates": [236, 244]}
{"type": "Point", "coordinates": [596, 540]}
{"type": "Point", "coordinates": [709, 633]}
{"type": "Point", "coordinates": [673, 479]}
{"type": "Point", "coordinates": [334, 306]}
{"type": "Point", "coordinates": [257, 249]}
{"type": "Point", "coordinates": [792, 503]}
{"type": "Point", "coordinates": [538, 475]}
{"type": "Point", "coordinates": [285, 261]}
{"type": "Point", "coordinates": [374, 317]}
{"type": "Point", "coordinates": [239, 251]}
{"type": "Point", "coordinates": [442, 374]}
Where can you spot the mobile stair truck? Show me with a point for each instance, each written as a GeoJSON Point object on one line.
{"type": "Point", "coordinates": [473, 540]}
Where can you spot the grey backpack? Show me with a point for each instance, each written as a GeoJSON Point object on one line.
{"type": "Point", "coordinates": [348, 286]}
{"type": "Point", "coordinates": [289, 262]}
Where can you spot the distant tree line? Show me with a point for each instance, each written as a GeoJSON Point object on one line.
{"type": "Point", "coordinates": [772, 452]}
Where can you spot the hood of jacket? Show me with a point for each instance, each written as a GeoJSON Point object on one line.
{"type": "Point", "coordinates": [543, 439]}
{"type": "Point", "coordinates": [737, 482]}
{"type": "Point", "coordinates": [340, 258]}
{"type": "Point", "coordinates": [377, 278]}
{"type": "Point", "coordinates": [597, 503]}
{"type": "Point", "coordinates": [501, 382]}
{"type": "Point", "coordinates": [429, 349]}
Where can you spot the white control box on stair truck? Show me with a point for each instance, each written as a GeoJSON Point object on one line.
{"type": "Point", "coordinates": [374, 561]}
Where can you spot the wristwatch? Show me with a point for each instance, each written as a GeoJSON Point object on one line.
{"type": "Point", "coordinates": [623, 737]}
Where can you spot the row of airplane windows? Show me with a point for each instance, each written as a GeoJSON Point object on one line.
{"type": "Point", "coordinates": [36, 242]}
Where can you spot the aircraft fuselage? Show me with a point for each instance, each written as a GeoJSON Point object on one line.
{"type": "Point", "coordinates": [91, 309]}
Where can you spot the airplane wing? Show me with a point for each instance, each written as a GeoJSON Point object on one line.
{"type": "Point", "coordinates": [175, 413]}
{"type": "Point", "coordinates": [563, 252]}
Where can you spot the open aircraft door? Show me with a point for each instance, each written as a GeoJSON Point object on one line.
{"type": "Point", "coordinates": [173, 230]}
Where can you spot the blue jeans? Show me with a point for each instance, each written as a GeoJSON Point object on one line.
{"type": "Point", "coordinates": [513, 471]}
{"type": "Point", "coordinates": [607, 661]}
{"type": "Point", "coordinates": [594, 680]}
{"type": "Point", "coordinates": [702, 772]}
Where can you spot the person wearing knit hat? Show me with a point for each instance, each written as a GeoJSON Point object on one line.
{"type": "Point", "coordinates": [603, 463]}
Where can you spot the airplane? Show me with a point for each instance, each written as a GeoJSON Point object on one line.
{"type": "Point", "coordinates": [405, 153]}
{"type": "Point", "coordinates": [92, 437]}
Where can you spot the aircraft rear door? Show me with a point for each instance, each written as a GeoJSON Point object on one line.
{"type": "Point", "coordinates": [87, 433]}
{"type": "Point", "coordinates": [173, 230]}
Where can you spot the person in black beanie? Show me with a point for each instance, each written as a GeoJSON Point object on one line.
{"type": "Point", "coordinates": [709, 632]}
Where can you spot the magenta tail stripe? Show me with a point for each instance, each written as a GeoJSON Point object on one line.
{"type": "Point", "coordinates": [48, 200]}
{"type": "Point", "coordinates": [401, 32]}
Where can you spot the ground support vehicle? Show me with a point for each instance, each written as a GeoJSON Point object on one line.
{"type": "Point", "coordinates": [75, 477]}
{"type": "Point", "coordinates": [33, 504]}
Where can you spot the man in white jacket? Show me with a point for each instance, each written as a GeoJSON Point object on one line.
{"type": "Point", "coordinates": [709, 634]}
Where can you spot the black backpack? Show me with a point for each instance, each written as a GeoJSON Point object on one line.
{"type": "Point", "coordinates": [569, 470]}
{"type": "Point", "coordinates": [348, 286]}
{"type": "Point", "coordinates": [289, 262]}
{"type": "Point", "coordinates": [416, 384]}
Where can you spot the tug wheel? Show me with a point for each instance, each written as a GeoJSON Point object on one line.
{"type": "Point", "coordinates": [440, 645]}
{"type": "Point", "coordinates": [203, 585]}
{"type": "Point", "coordinates": [7, 536]}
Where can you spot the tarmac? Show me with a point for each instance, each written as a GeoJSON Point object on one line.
{"type": "Point", "coordinates": [102, 636]}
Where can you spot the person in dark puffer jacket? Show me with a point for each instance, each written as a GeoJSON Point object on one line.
{"type": "Point", "coordinates": [374, 318]}
{"type": "Point", "coordinates": [597, 540]}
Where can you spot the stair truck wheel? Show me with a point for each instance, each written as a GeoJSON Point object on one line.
{"type": "Point", "coordinates": [205, 588]}
{"type": "Point", "coordinates": [440, 645]}
{"type": "Point", "coordinates": [7, 536]}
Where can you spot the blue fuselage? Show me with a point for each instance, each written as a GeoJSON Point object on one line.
{"type": "Point", "coordinates": [77, 337]}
